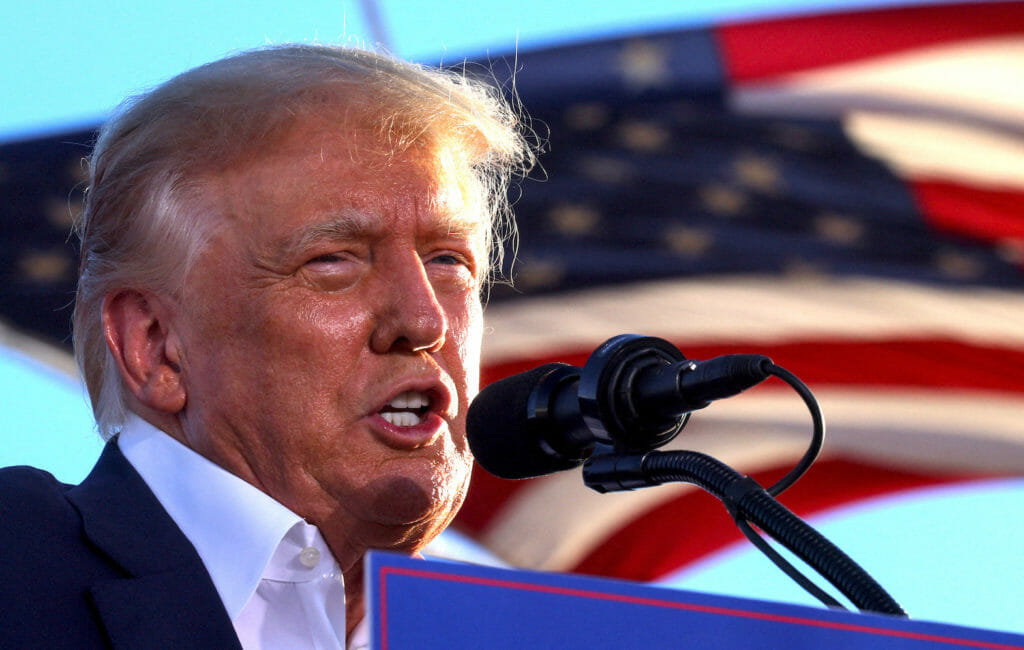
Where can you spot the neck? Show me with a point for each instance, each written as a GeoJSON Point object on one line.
{"type": "Point", "coordinates": [355, 598]}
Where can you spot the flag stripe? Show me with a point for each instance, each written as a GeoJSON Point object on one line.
{"type": "Point", "coordinates": [905, 362]}
{"type": "Point", "coordinates": [924, 148]}
{"type": "Point", "coordinates": [988, 215]}
{"type": "Point", "coordinates": [760, 50]}
{"type": "Point", "coordinates": [748, 313]}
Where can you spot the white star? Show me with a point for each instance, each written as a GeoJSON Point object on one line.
{"type": "Point", "coordinates": [539, 274]}
{"type": "Point", "coordinates": [723, 200]}
{"type": "Point", "coordinates": [63, 213]}
{"type": "Point", "coordinates": [839, 228]}
{"type": "Point", "coordinates": [586, 116]}
{"type": "Point", "coordinates": [574, 219]}
{"type": "Point", "coordinates": [958, 265]}
{"type": "Point", "coordinates": [644, 65]}
{"type": "Point", "coordinates": [45, 266]}
{"type": "Point", "coordinates": [605, 170]}
{"type": "Point", "coordinates": [690, 242]}
{"type": "Point", "coordinates": [758, 172]}
{"type": "Point", "coordinates": [643, 136]}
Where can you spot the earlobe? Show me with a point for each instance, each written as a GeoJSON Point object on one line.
{"type": "Point", "coordinates": [138, 330]}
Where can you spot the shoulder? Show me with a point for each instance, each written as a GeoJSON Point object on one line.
{"type": "Point", "coordinates": [42, 536]}
{"type": "Point", "coordinates": [20, 484]}
{"type": "Point", "coordinates": [39, 525]}
{"type": "Point", "coordinates": [29, 483]}
{"type": "Point", "coordinates": [29, 478]}
{"type": "Point", "coordinates": [47, 566]}
{"type": "Point", "coordinates": [32, 500]}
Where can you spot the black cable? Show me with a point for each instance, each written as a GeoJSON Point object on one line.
{"type": "Point", "coordinates": [786, 567]}
{"type": "Point", "coordinates": [813, 450]}
{"type": "Point", "coordinates": [751, 502]}
{"type": "Point", "coordinates": [817, 435]}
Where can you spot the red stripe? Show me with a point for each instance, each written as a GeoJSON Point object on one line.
{"type": "Point", "coordinates": [893, 362]}
{"type": "Point", "coordinates": [684, 530]}
{"type": "Point", "coordinates": [759, 50]}
{"type": "Point", "coordinates": [990, 215]}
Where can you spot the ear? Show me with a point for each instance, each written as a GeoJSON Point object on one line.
{"type": "Point", "coordinates": [139, 333]}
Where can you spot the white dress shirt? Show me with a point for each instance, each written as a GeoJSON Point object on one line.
{"type": "Point", "coordinates": [276, 576]}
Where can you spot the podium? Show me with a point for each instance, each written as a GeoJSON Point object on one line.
{"type": "Point", "coordinates": [420, 604]}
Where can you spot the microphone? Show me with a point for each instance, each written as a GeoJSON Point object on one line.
{"type": "Point", "coordinates": [634, 393]}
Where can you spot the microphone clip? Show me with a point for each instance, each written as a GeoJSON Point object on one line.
{"type": "Point", "coordinates": [607, 390]}
{"type": "Point", "coordinates": [608, 471]}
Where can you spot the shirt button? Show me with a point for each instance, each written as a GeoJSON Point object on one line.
{"type": "Point", "coordinates": [309, 557]}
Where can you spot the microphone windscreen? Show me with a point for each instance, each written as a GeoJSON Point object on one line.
{"type": "Point", "coordinates": [504, 440]}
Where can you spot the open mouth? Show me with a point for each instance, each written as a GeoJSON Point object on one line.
{"type": "Point", "coordinates": [406, 409]}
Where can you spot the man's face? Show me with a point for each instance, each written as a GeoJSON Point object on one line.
{"type": "Point", "coordinates": [331, 335]}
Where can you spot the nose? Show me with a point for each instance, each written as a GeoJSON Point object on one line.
{"type": "Point", "coordinates": [409, 317]}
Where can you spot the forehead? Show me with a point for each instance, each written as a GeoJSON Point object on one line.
{"type": "Point", "coordinates": [320, 176]}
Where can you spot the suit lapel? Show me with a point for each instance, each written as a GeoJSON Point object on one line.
{"type": "Point", "coordinates": [166, 598]}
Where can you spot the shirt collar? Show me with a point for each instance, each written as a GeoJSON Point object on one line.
{"type": "Point", "coordinates": [235, 527]}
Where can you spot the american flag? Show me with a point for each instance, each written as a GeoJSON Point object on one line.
{"type": "Point", "coordinates": [843, 192]}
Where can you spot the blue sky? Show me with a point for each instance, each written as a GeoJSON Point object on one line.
{"type": "Point", "coordinates": [952, 556]}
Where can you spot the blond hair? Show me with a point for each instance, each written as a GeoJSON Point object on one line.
{"type": "Point", "coordinates": [144, 223]}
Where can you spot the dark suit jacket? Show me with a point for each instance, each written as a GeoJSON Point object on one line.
{"type": "Point", "coordinates": [100, 565]}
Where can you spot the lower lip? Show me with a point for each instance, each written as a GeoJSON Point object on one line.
{"type": "Point", "coordinates": [421, 435]}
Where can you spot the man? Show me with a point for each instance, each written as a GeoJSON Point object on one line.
{"type": "Point", "coordinates": [279, 323]}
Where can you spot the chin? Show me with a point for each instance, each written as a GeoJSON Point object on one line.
{"type": "Point", "coordinates": [416, 502]}
{"type": "Point", "coordinates": [412, 499]}
{"type": "Point", "coordinates": [397, 500]}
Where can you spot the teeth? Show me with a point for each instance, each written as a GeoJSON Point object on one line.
{"type": "Point", "coordinates": [405, 410]}
{"type": "Point", "coordinates": [400, 418]}
{"type": "Point", "coordinates": [409, 400]}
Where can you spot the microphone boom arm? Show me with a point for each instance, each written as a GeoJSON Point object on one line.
{"type": "Point", "coordinates": [746, 501]}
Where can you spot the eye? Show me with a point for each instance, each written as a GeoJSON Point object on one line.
{"type": "Point", "coordinates": [332, 271]}
{"type": "Point", "coordinates": [449, 258]}
{"type": "Point", "coordinates": [452, 268]}
{"type": "Point", "coordinates": [336, 257]}
{"type": "Point", "coordinates": [327, 258]}
{"type": "Point", "coordinates": [452, 259]}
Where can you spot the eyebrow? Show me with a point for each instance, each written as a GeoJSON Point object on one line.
{"type": "Point", "coordinates": [344, 226]}
{"type": "Point", "coordinates": [353, 225]}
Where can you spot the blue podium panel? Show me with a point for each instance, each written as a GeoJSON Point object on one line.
{"type": "Point", "coordinates": [429, 604]}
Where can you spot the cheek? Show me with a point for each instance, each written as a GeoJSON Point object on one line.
{"type": "Point", "coordinates": [339, 323]}
{"type": "Point", "coordinates": [467, 334]}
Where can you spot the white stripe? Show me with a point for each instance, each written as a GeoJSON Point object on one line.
{"type": "Point", "coordinates": [935, 111]}
{"type": "Point", "coordinates": [928, 148]}
{"type": "Point", "coordinates": [752, 309]}
{"type": "Point", "coordinates": [45, 353]}
{"type": "Point", "coordinates": [972, 79]}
